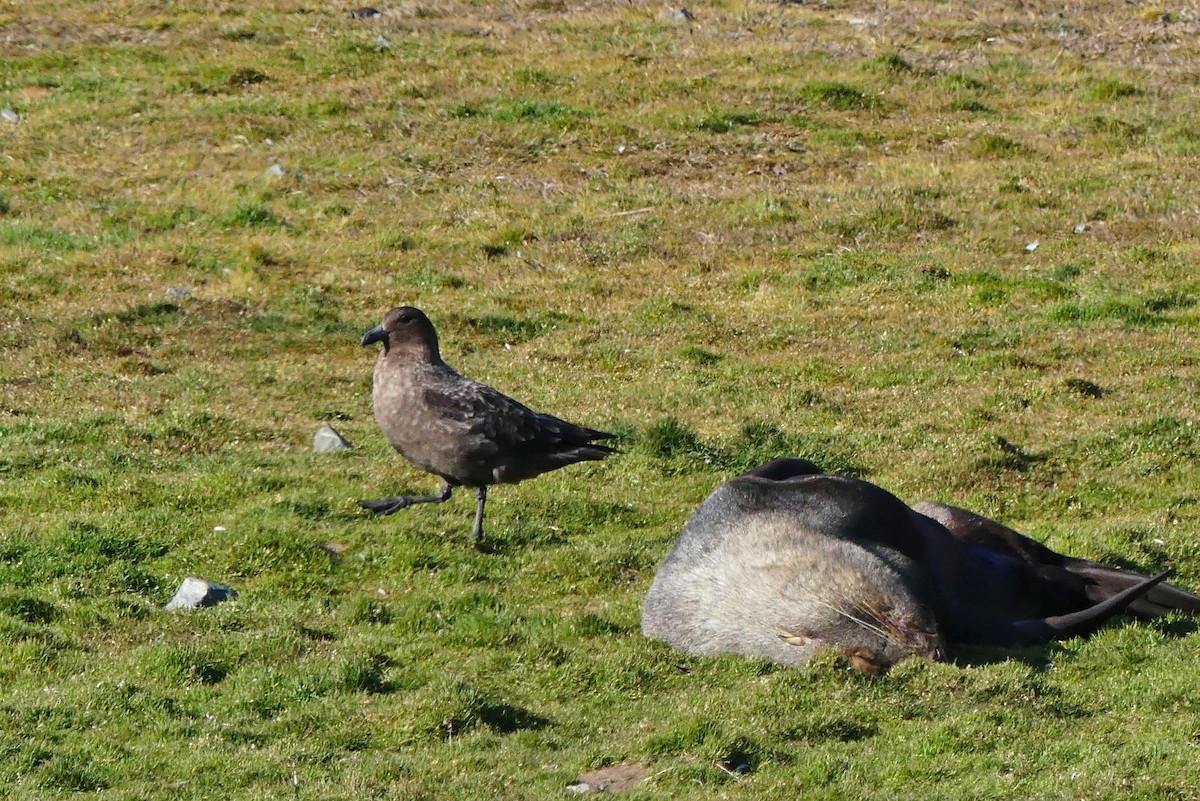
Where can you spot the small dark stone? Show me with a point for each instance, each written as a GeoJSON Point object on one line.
{"type": "Point", "coordinates": [936, 273]}
{"type": "Point", "coordinates": [1084, 387]}
{"type": "Point", "coordinates": [366, 12]}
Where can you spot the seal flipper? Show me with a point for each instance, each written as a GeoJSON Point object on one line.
{"type": "Point", "coordinates": [1083, 622]}
{"type": "Point", "coordinates": [1105, 581]}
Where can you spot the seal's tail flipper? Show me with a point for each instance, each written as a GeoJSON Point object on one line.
{"type": "Point", "coordinates": [1105, 582]}
{"type": "Point", "coordinates": [1085, 621]}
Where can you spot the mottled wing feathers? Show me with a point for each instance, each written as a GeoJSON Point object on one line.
{"type": "Point", "coordinates": [506, 439]}
{"type": "Point", "coordinates": [492, 414]}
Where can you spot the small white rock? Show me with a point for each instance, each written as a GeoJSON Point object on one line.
{"type": "Point", "coordinates": [678, 15]}
{"type": "Point", "coordinates": [579, 788]}
{"type": "Point", "coordinates": [195, 593]}
{"type": "Point", "coordinates": [276, 170]}
{"type": "Point", "coordinates": [1032, 246]}
{"type": "Point", "coordinates": [8, 115]}
{"type": "Point", "coordinates": [329, 440]}
{"type": "Point", "coordinates": [1082, 227]}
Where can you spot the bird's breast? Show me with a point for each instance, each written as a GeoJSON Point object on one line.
{"type": "Point", "coordinates": [396, 398]}
{"type": "Point", "coordinates": [423, 432]}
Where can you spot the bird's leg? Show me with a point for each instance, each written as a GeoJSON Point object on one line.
{"type": "Point", "coordinates": [481, 499]}
{"type": "Point", "coordinates": [387, 506]}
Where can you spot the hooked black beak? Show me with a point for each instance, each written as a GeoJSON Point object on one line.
{"type": "Point", "coordinates": [376, 334]}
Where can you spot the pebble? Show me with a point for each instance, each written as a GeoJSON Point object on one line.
{"type": "Point", "coordinates": [329, 440]}
{"type": "Point", "coordinates": [678, 15]}
{"type": "Point", "coordinates": [8, 115]}
{"type": "Point", "coordinates": [195, 593]}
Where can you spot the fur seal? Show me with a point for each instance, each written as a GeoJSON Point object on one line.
{"type": "Point", "coordinates": [786, 560]}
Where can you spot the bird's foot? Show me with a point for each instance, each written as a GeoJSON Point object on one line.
{"type": "Point", "coordinates": [387, 506]}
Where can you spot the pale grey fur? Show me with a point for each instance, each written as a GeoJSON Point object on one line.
{"type": "Point", "coordinates": [750, 576]}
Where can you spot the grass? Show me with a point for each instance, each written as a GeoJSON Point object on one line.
{"type": "Point", "coordinates": [777, 230]}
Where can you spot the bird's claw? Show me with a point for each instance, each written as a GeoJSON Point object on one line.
{"type": "Point", "coordinates": [386, 506]}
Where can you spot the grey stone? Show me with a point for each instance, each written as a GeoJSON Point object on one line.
{"type": "Point", "coordinates": [276, 170]}
{"type": "Point", "coordinates": [329, 440]}
{"type": "Point", "coordinates": [179, 293]}
{"type": "Point", "coordinates": [680, 15]}
{"type": "Point", "coordinates": [8, 115]}
{"type": "Point", "coordinates": [194, 593]}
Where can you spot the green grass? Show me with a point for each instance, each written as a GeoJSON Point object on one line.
{"type": "Point", "coordinates": [836, 95]}
{"type": "Point", "coordinates": [791, 229]}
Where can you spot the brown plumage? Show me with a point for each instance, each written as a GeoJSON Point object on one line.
{"type": "Point", "coordinates": [464, 432]}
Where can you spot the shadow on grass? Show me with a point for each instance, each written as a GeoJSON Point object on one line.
{"type": "Point", "coordinates": [1041, 657]}
{"type": "Point", "coordinates": [1037, 657]}
{"type": "Point", "coordinates": [509, 539]}
{"type": "Point", "coordinates": [1175, 625]}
